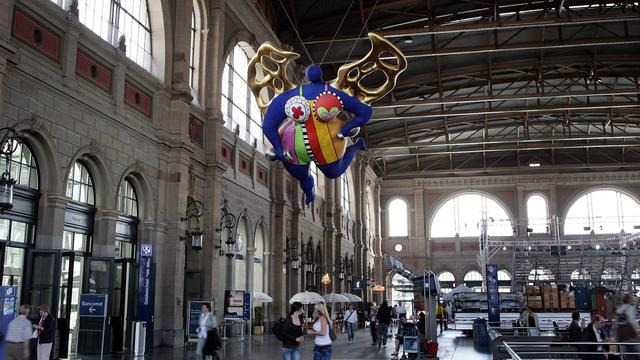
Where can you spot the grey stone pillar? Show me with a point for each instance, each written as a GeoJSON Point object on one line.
{"type": "Point", "coordinates": [51, 221]}
{"type": "Point", "coordinates": [104, 233]}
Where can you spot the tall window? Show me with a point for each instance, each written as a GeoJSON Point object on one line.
{"type": "Point", "coordinates": [127, 223]}
{"type": "Point", "coordinates": [258, 261]}
{"type": "Point", "coordinates": [462, 215]}
{"type": "Point", "coordinates": [112, 18]}
{"type": "Point", "coordinates": [504, 281]}
{"type": "Point", "coordinates": [80, 185]}
{"type": "Point", "coordinates": [537, 214]}
{"type": "Point", "coordinates": [603, 212]}
{"type": "Point", "coordinates": [473, 280]}
{"type": "Point", "coordinates": [23, 167]}
{"type": "Point", "coordinates": [397, 212]}
{"type": "Point", "coordinates": [313, 170]}
{"type": "Point", "coordinates": [192, 48]}
{"type": "Point", "coordinates": [346, 200]}
{"type": "Point", "coordinates": [447, 281]}
{"type": "Point", "coordinates": [239, 106]}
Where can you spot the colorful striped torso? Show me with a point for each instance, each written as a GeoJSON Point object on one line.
{"type": "Point", "coordinates": [313, 140]}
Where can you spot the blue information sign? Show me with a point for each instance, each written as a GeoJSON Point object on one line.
{"type": "Point", "coordinates": [246, 307]}
{"type": "Point", "coordinates": [8, 296]}
{"type": "Point", "coordinates": [94, 305]}
{"type": "Point", "coordinates": [145, 284]}
{"type": "Point", "coordinates": [195, 308]}
{"type": "Point", "coordinates": [358, 285]}
{"type": "Point", "coordinates": [493, 296]}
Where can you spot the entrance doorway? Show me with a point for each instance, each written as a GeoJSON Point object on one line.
{"type": "Point", "coordinates": [124, 285]}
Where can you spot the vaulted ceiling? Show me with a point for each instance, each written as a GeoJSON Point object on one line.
{"type": "Point", "coordinates": [492, 87]}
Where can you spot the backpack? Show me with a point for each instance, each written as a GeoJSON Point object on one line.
{"type": "Point", "coordinates": [278, 329]}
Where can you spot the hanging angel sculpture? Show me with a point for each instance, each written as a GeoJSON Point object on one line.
{"type": "Point", "coordinates": [304, 123]}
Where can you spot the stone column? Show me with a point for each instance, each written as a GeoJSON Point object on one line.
{"type": "Point", "coordinates": [520, 209]}
{"type": "Point", "coordinates": [7, 50]}
{"type": "Point", "coordinates": [51, 221]}
{"type": "Point", "coordinates": [70, 50]}
{"type": "Point", "coordinates": [104, 233]}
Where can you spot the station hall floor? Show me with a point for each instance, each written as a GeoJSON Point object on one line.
{"type": "Point", "coordinates": [453, 345]}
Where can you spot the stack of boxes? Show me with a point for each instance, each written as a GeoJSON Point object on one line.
{"type": "Point", "coordinates": [550, 296]}
{"type": "Point", "coordinates": [567, 300]}
{"type": "Point", "coordinates": [533, 297]}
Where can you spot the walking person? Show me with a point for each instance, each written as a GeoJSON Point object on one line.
{"type": "Point", "coordinates": [373, 312]}
{"type": "Point", "coordinates": [350, 319]}
{"type": "Point", "coordinates": [322, 348]}
{"type": "Point", "coordinates": [46, 333]}
{"type": "Point", "coordinates": [384, 320]}
{"type": "Point", "coordinates": [19, 333]}
{"type": "Point", "coordinates": [626, 327]}
{"type": "Point", "coordinates": [292, 333]}
{"type": "Point", "coordinates": [440, 316]}
{"type": "Point", "coordinates": [207, 322]}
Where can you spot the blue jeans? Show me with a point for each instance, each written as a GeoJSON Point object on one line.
{"type": "Point", "coordinates": [290, 354]}
{"type": "Point", "coordinates": [322, 352]}
{"type": "Point", "coordinates": [382, 333]}
{"type": "Point", "coordinates": [351, 328]}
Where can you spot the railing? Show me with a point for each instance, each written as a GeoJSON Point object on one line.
{"type": "Point", "coordinates": [545, 349]}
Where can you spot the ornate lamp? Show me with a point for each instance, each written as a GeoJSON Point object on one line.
{"type": "Point", "coordinates": [326, 279]}
{"type": "Point", "coordinates": [195, 210]}
{"type": "Point", "coordinates": [9, 144]}
{"type": "Point", "coordinates": [340, 267]}
{"type": "Point", "coordinates": [228, 222]}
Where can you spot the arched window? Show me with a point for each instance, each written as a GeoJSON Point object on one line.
{"type": "Point", "coordinates": [240, 262]}
{"type": "Point", "coordinates": [541, 274]}
{"type": "Point", "coordinates": [504, 281]}
{"type": "Point", "coordinates": [370, 216]}
{"type": "Point", "coordinates": [447, 281]}
{"type": "Point", "coordinates": [313, 170]}
{"type": "Point", "coordinates": [462, 215]}
{"type": "Point", "coordinates": [537, 214]}
{"type": "Point", "coordinates": [580, 275]}
{"type": "Point", "coordinates": [398, 215]}
{"type": "Point", "coordinates": [195, 48]}
{"type": "Point", "coordinates": [345, 198]}
{"type": "Point", "coordinates": [603, 212]}
{"type": "Point", "coordinates": [111, 19]}
{"type": "Point", "coordinates": [610, 274]}
{"type": "Point", "coordinates": [17, 225]}
{"type": "Point", "coordinates": [258, 261]}
{"type": "Point", "coordinates": [473, 280]}
{"type": "Point", "coordinates": [239, 106]}
{"type": "Point", "coordinates": [127, 223]}
{"type": "Point", "coordinates": [80, 185]}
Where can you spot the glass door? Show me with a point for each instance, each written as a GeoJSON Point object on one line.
{"type": "Point", "coordinates": [98, 279]}
{"type": "Point", "coordinates": [42, 286]}
{"type": "Point", "coordinates": [68, 301]}
{"type": "Point", "coordinates": [124, 285]}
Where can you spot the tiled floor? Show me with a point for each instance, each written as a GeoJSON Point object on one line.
{"type": "Point", "coordinates": [453, 345]}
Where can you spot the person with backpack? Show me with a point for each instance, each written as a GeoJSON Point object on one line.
{"type": "Point", "coordinates": [289, 331]}
{"type": "Point", "coordinates": [384, 320]}
{"type": "Point", "coordinates": [322, 331]}
{"type": "Point", "coordinates": [350, 319]}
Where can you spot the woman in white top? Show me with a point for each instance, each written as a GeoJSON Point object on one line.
{"type": "Point", "coordinates": [207, 322]}
{"type": "Point", "coordinates": [322, 349]}
{"type": "Point", "coordinates": [351, 318]}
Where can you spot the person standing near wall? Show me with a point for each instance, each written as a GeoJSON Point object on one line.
{"type": "Point", "coordinates": [46, 332]}
{"type": "Point", "coordinates": [19, 333]}
{"type": "Point", "coordinates": [384, 320]}
{"type": "Point", "coordinates": [373, 312]}
{"type": "Point", "coordinates": [350, 319]}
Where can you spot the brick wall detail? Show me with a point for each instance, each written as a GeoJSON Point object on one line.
{"type": "Point", "coordinates": [36, 35]}
{"type": "Point", "coordinates": [92, 71]}
{"type": "Point", "coordinates": [136, 98]}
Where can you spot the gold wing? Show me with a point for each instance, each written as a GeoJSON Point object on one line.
{"type": "Point", "coordinates": [350, 75]}
{"type": "Point", "coordinates": [271, 62]}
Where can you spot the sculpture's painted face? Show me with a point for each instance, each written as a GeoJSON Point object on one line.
{"type": "Point", "coordinates": [328, 105]}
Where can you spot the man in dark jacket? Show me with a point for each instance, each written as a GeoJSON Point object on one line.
{"type": "Point", "coordinates": [575, 331]}
{"type": "Point", "coordinates": [384, 320]}
{"type": "Point", "coordinates": [593, 334]}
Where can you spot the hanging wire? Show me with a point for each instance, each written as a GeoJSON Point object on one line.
{"type": "Point", "coordinates": [296, 31]}
{"type": "Point", "coordinates": [336, 33]}
{"type": "Point", "coordinates": [364, 26]}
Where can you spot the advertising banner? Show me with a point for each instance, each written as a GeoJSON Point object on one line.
{"type": "Point", "coordinates": [145, 284]}
{"type": "Point", "coordinates": [493, 296]}
{"type": "Point", "coordinates": [234, 304]}
{"type": "Point", "coordinates": [246, 308]}
{"type": "Point", "coordinates": [8, 296]}
{"type": "Point", "coordinates": [194, 308]}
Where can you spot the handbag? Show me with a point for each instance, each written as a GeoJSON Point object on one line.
{"type": "Point", "coordinates": [213, 343]}
{"type": "Point", "coordinates": [332, 334]}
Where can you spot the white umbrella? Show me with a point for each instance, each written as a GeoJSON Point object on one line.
{"type": "Point", "coordinates": [352, 298]}
{"type": "Point", "coordinates": [306, 297]}
{"type": "Point", "coordinates": [462, 288]}
{"type": "Point", "coordinates": [261, 297]}
{"type": "Point", "coordinates": [335, 298]}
